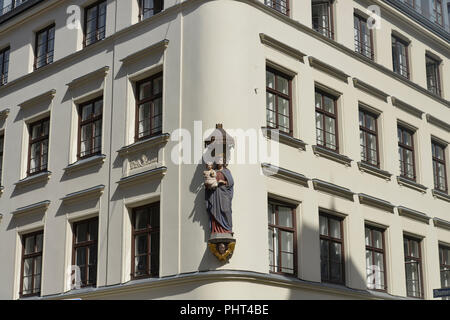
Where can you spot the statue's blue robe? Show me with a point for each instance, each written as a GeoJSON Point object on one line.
{"type": "Point", "coordinates": [218, 201]}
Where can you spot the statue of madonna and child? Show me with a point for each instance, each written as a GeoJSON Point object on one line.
{"type": "Point", "coordinates": [219, 191]}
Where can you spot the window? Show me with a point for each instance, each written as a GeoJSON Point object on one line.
{"type": "Point", "coordinates": [413, 267]}
{"type": "Point", "coordinates": [279, 101]}
{"type": "Point", "coordinates": [282, 238]}
{"type": "Point", "coordinates": [84, 251]}
{"type": "Point", "coordinates": [375, 258]}
{"type": "Point", "coordinates": [331, 249]}
{"type": "Point", "coordinates": [95, 23]}
{"type": "Point", "coordinates": [368, 137]}
{"type": "Point", "coordinates": [30, 284]}
{"type": "Point", "coordinates": [145, 242]}
{"type": "Point", "coordinates": [433, 76]}
{"type": "Point", "coordinates": [326, 120]}
{"type": "Point", "coordinates": [38, 146]}
{"type": "Point", "coordinates": [363, 37]}
{"type": "Point", "coordinates": [400, 57]}
{"type": "Point", "coordinates": [322, 18]}
{"type": "Point", "coordinates": [279, 5]}
{"type": "Point", "coordinates": [406, 153]}
{"type": "Point", "coordinates": [444, 262]}
{"type": "Point", "coordinates": [90, 128]}
{"type": "Point", "coordinates": [439, 168]}
{"type": "Point", "coordinates": [4, 66]}
{"type": "Point", "coordinates": [2, 144]}
{"type": "Point", "coordinates": [7, 5]}
{"type": "Point", "coordinates": [148, 8]}
{"type": "Point", "coordinates": [45, 45]}
{"type": "Point", "coordinates": [437, 12]}
{"type": "Point", "coordinates": [149, 107]}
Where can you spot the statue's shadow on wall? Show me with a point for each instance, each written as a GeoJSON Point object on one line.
{"type": "Point", "coordinates": [200, 216]}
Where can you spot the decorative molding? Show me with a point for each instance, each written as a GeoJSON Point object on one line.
{"type": "Point", "coordinates": [367, 88]}
{"type": "Point", "coordinates": [441, 223]}
{"type": "Point", "coordinates": [407, 107]}
{"type": "Point", "coordinates": [4, 114]}
{"type": "Point", "coordinates": [152, 174]}
{"type": "Point", "coordinates": [159, 46]}
{"type": "Point", "coordinates": [33, 179]}
{"type": "Point", "coordinates": [438, 123]}
{"type": "Point", "coordinates": [325, 67]}
{"type": "Point", "coordinates": [323, 152]}
{"type": "Point", "coordinates": [364, 167]}
{"type": "Point", "coordinates": [32, 208]}
{"type": "Point", "coordinates": [99, 73]}
{"type": "Point", "coordinates": [284, 138]}
{"type": "Point", "coordinates": [144, 144]}
{"type": "Point", "coordinates": [279, 46]}
{"type": "Point", "coordinates": [350, 52]}
{"type": "Point", "coordinates": [94, 192]}
{"type": "Point", "coordinates": [49, 95]}
{"type": "Point", "coordinates": [284, 174]}
{"type": "Point", "coordinates": [413, 214]}
{"type": "Point", "coordinates": [440, 195]}
{"type": "Point", "coordinates": [376, 202]}
{"type": "Point", "coordinates": [85, 163]}
{"type": "Point", "coordinates": [411, 184]}
{"type": "Point", "coordinates": [334, 189]}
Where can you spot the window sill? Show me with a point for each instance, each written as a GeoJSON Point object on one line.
{"type": "Point", "coordinates": [85, 163]}
{"type": "Point", "coordinates": [375, 202]}
{"type": "Point", "coordinates": [364, 167]}
{"type": "Point", "coordinates": [440, 223]}
{"type": "Point", "coordinates": [37, 178]}
{"type": "Point", "coordinates": [440, 195]}
{"type": "Point", "coordinates": [332, 155]}
{"type": "Point", "coordinates": [33, 208]}
{"type": "Point", "coordinates": [411, 184]}
{"type": "Point", "coordinates": [283, 138]}
{"type": "Point", "coordinates": [78, 196]}
{"type": "Point", "coordinates": [144, 144]}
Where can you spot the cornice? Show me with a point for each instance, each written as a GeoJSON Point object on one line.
{"type": "Point", "coordinates": [159, 46]}
{"type": "Point", "coordinates": [46, 96]}
{"type": "Point", "coordinates": [367, 88]}
{"type": "Point", "coordinates": [144, 144]}
{"type": "Point", "coordinates": [99, 73]}
{"type": "Point", "coordinates": [279, 46]}
{"type": "Point", "coordinates": [413, 214]}
{"type": "Point", "coordinates": [407, 107]}
{"type": "Point", "coordinates": [284, 174]}
{"type": "Point", "coordinates": [94, 192]}
{"type": "Point", "coordinates": [32, 208]}
{"type": "Point", "coordinates": [149, 175]}
{"type": "Point", "coordinates": [307, 30]}
{"type": "Point", "coordinates": [438, 123]}
{"type": "Point", "coordinates": [376, 202]}
{"type": "Point", "coordinates": [334, 189]}
{"type": "Point", "coordinates": [325, 67]}
{"type": "Point", "coordinates": [441, 223]}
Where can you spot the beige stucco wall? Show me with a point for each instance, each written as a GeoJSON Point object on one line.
{"type": "Point", "coordinates": [214, 72]}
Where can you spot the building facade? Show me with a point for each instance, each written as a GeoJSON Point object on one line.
{"type": "Point", "coordinates": [93, 95]}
